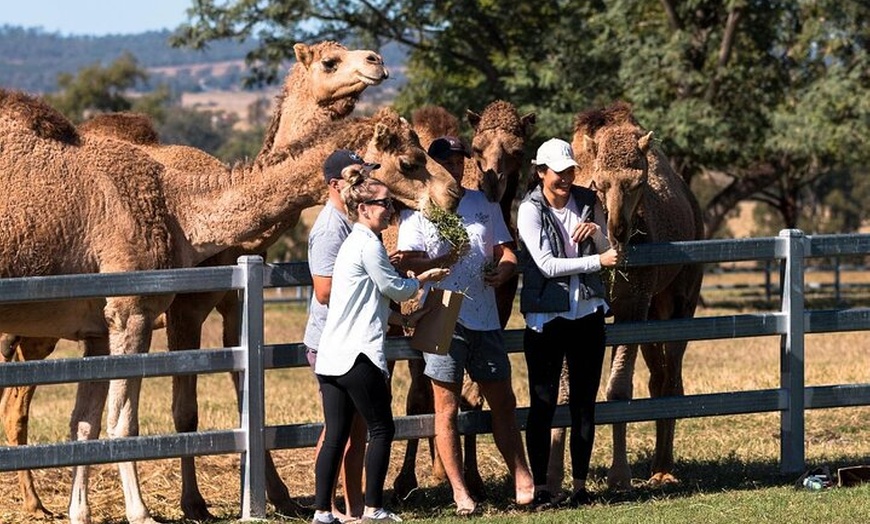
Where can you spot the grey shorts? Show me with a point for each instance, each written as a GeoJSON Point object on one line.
{"type": "Point", "coordinates": [482, 353]}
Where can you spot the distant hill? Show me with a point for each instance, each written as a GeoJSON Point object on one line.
{"type": "Point", "coordinates": [31, 59]}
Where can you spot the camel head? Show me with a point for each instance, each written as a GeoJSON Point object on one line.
{"type": "Point", "coordinates": [619, 175]}
{"type": "Point", "coordinates": [498, 146]}
{"type": "Point", "coordinates": [337, 76]}
{"type": "Point", "coordinates": [415, 179]}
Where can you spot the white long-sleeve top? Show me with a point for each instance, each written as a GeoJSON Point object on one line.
{"type": "Point", "coordinates": [568, 218]}
{"type": "Point", "coordinates": [363, 283]}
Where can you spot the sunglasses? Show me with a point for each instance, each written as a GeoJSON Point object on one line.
{"type": "Point", "coordinates": [386, 203]}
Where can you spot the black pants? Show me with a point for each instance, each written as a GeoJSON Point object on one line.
{"type": "Point", "coordinates": [364, 389]}
{"type": "Point", "coordinates": [581, 343]}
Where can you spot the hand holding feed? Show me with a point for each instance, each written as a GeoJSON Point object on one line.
{"type": "Point", "coordinates": [436, 274]}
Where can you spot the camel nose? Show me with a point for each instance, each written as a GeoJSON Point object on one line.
{"type": "Point", "coordinates": [377, 60]}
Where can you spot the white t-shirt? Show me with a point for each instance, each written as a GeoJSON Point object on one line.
{"type": "Point", "coordinates": [486, 229]}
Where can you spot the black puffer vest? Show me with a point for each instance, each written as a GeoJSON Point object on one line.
{"type": "Point", "coordinates": [551, 295]}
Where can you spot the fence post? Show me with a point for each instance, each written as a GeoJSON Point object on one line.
{"type": "Point", "coordinates": [252, 394]}
{"type": "Point", "coordinates": [792, 457]}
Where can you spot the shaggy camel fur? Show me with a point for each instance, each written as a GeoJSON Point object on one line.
{"type": "Point", "coordinates": [153, 217]}
{"type": "Point", "coordinates": [646, 202]}
{"type": "Point", "coordinates": [497, 148]}
{"type": "Point", "coordinates": [323, 86]}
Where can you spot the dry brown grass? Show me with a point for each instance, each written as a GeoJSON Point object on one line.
{"type": "Point", "coordinates": [710, 366]}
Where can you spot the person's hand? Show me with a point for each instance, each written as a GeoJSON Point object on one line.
{"type": "Point", "coordinates": [436, 274]}
{"type": "Point", "coordinates": [499, 274]}
{"type": "Point", "coordinates": [413, 317]}
{"type": "Point", "coordinates": [609, 258]}
{"type": "Point", "coordinates": [584, 230]}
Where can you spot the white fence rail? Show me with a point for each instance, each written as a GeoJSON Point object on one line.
{"type": "Point", "coordinates": [252, 358]}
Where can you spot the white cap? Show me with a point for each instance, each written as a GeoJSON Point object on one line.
{"type": "Point", "coordinates": [555, 154]}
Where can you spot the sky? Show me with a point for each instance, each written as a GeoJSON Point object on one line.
{"type": "Point", "coordinates": [95, 17]}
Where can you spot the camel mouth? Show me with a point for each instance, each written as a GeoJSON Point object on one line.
{"type": "Point", "coordinates": [372, 80]}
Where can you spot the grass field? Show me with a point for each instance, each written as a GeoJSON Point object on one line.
{"type": "Point", "coordinates": [728, 466]}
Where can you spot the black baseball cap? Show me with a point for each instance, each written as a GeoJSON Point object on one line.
{"type": "Point", "coordinates": [340, 159]}
{"type": "Point", "coordinates": [443, 146]}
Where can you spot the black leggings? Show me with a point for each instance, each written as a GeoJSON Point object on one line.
{"type": "Point", "coordinates": [581, 343]}
{"type": "Point", "coordinates": [364, 388]}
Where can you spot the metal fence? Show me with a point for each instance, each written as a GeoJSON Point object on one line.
{"type": "Point", "coordinates": [252, 357]}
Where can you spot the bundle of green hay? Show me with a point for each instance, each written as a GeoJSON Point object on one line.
{"type": "Point", "coordinates": [449, 226]}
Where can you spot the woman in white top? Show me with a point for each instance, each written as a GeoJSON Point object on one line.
{"type": "Point", "coordinates": [563, 301]}
{"type": "Point", "coordinates": [351, 366]}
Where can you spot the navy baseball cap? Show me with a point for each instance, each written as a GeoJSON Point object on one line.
{"type": "Point", "coordinates": [443, 146]}
{"type": "Point", "coordinates": [340, 159]}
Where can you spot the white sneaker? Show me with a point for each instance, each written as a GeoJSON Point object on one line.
{"type": "Point", "coordinates": [381, 515]}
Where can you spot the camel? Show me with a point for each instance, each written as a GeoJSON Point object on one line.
{"type": "Point", "coordinates": [497, 147]}
{"type": "Point", "coordinates": [155, 216]}
{"type": "Point", "coordinates": [322, 86]}
{"type": "Point", "coordinates": [646, 202]}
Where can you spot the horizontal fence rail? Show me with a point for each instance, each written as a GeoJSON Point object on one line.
{"type": "Point", "coordinates": [250, 277]}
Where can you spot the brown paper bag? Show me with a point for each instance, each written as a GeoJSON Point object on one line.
{"type": "Point", "coordinates": [434, 330]}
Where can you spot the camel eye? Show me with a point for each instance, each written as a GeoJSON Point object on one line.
{"type": "Point", "coordinates": [406, 166]}
{"type": "Point", "coordinates": [329, 64]}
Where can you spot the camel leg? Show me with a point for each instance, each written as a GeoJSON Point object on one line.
{"type": "Point", "coordinates": [184, 320]}
{"type": "Point", "coordinates": [276, 491]}
{"type": "Point", "coordinates": [620, 387]}
{"type": "Point", "coordinates": [556, 465]}
{"type": "Point", "coordinates": [420, 401]}
{"type": "Point", "coordinates": [472, 399]}
{"type": "Point", "coordinates": [130, 321]}
{"type": "Point", "coordinates": [15, 406]}
{"type": "Point", "coordinates": [85, 425]}
{"type": "Point", "coordinates": [665, 364]}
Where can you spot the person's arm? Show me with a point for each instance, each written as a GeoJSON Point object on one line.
{"type": "Point", "coordinates": [506, 265]}
{"type": "Point", "coordinates": [388, 281]}
{"type": "Point", "coordinates": [322, 288]}
{"type": "Point", "coordinates": [530, 229]}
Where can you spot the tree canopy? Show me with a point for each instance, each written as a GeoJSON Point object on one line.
{"type": "Point", "coordinates": [766, 97]}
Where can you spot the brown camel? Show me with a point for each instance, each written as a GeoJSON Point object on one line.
{"type": "Point", "coordinates": [497, 147]}
{"type": "Point", "coordinates": [153, 217]}
{"type": "Point", "coordinates": [646, 202]}
{"type": "Point", "coordinates": [322, 86]}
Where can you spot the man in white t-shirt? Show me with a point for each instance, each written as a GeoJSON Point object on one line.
{"type": "Point", "coordinates": [478, 340]}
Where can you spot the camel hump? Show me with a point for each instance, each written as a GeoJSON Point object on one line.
{"type": "Point", "coordinates": [590, 121]}
{"type": "Point", "coordinates": [38, 116]}
{"type": "Point", "coordinates": [135, 128]}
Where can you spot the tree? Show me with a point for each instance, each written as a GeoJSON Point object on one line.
{"type": "Point", "coordinates": [768, 95]}
{"type": "Point", "coordinates": [97, 89]}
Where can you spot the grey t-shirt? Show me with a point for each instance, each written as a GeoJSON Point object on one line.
{"type": "Point", "coordinates": [326, 236]}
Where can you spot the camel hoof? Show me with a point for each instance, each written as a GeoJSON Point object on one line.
{"type": "Point", "coordinates": [619, 480]}
{"type": "Point", "coordinates": [662, 479]}
{"type": "Point", "coordinates": [39, 512]}
{"type": "Point", "coordinates": [290, 508]}
{"type": "Point", "coordinates": [196, 511]}
{"type": "Point", "coordinates": [475, 485]}
{"type": "Point", "coordinates": [404, 485]}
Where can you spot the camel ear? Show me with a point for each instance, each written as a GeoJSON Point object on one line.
{"type": "Point", "coordinates": [303, 54]}
{"type": "Point", "coordinates": [473, 118]}
{"type": "Point", "coordinates": [382, 136]}
{"type": "Point", "coordinates": [589, 145]}
{"type": "Point", "coordinates": [645, 141]}
{"type": "Point", "coordinates": [528, 122]}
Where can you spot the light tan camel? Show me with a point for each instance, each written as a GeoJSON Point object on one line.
{"type": "Point", "coordinates": [497, 148]}
{"type": "Point", "coordinates": [322, 86]}
{"type": "Point", "coordinates": [646, 202]}
{"type": "Point", "coordinates": [152, 217]}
